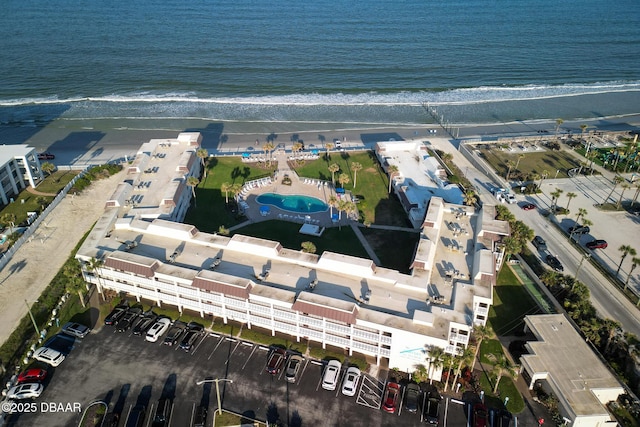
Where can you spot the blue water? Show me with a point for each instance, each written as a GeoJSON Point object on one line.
{"type": "Point", "coordinates": [324, 61]}
{"type": "Point", "coordinates": [293, 203]}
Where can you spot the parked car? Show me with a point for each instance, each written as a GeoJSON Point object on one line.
{"type": "Point", "coordinates": [579, 229]}
{"type": "Point", "coordinates": [158, 329]}
{"type": "Point", "coordinates": [431, 408]}
{"type": "Point", "coordinates": [25, 391]}
{"type": "Point", "coordinates": [337, 144]}
{"type": "Point", "coordinates": [116, 314]}
{"type": "Point", "coordinates": [76, 330]}
{"type": "Point", "coordinates": [49, 356]}
{"type": "Point", "coordinates": [163, 411]}
{"type": "Point", "coordinates": [391, 396]}
{"type": "Point", "coordinates": [194, 331]}
{"type": "Point", "coordinates": [500, 418]}
{"type": "Point", "coordinates": [293, 367]}
{"type": "Point", "coordinates": [539, 243]}
{"type": "Point", "coordinates": [32, 375]}
{"type": "Point", "coordinates": [479, 415]}
{"type": "Point", "coordinates": [200, 417]}
{"type": "Point", "coordinates": [46, 156]}
{"type": "Point", "coordinates": [128, 319]}
{"type": "Point", "coordinates": [554, 263]}
{"type": "Point", "coordinates": [331, 375]}
{"type": "Point", "coordinates": [528, 206]}
{"type": "Point", "coordinates": [276, 360]}
{"type": "Point", "coordinates": [136, 416]}
{"type": "Point", "coordinates": [511, 198]}
{"type": "Point", "coordinates": [146, 321]}
{"type": "Point", "coordinates": [597, 244]}
{"type": "Point", "coordinates": [411, 396]}
{"type": "Point", "coordinates": [350, 383]}
{"type": "Point", "coordinates": [111, 419]}
{"type": "Point", "coordinates": [175, 332]}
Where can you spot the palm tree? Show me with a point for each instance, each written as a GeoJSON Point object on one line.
{"type": "Point", "coordinates": [343, 179]}
{"type": "Point", "coordinates": [555, 196]}
{"type": "Point", "coordinates": [436, 355]}
{"type": "Point", "coordinates": [626, 250]}
{"type": "Point", "coordinates": [332, 202]}
{"type": "Point", "coordinates": [481, 332]}
{"type": "Point", "coordinates": [333, 168]}
{"type": "Point", "coordinates": [534, 177]}
{"type": "Point", "coordinates": [223, 230]}
{"type": "Point", "coordinates": [48, 168]}
{"type": "Point", "coordinates": [470, 198]}
{"type": "Point", "coordinates": [448, 360]}
{"type": "Point", "coordinates": [226, 187]}
{"type": "Point", "coordinates": [616, 180]}
{"type": "Point", "coordinates": [570, 195]}
{"type": "Point", "coordinates": [559, 123]}
{"type": "Point", "coordinates": [421, 373]}
{"type": "Point", "coordinates": [510, 166]}
{"type": "Point", "coordinates": [636, 194]}
{"type": "Point", "coordinates": [328, 146]}
{"type": "Point", "coordinates": [392, 170]}
{"type": "Point", "coordinates": [9, 218]}
{"type": "Point", "coordinates": [465, 356]}
{"type": "Point", "coordinates": [634, 263]}
{"type": "Point", "coordinates": [296, 147]}
{"type": "Point", "coordinates": [351, 209]}
{"type": "Point", "coordinates": [501, 367]}
{"type": "Point", "coordinates": [582, 212]}
{"type": "Point", "coordinates": [583, 128]}
{"type": "Point", "coordinates": [308, 247]}
{"type": "Point", "coordinates": [342, 206]}
{"type": "Point", "coordinates": [543, 176]}
{"type": "Point", "coordinates": [74, 282]}
{"type": "Point", "coordinates": [520, 157]}
{"type": "Point", "coordinates": [268, 149]}
{"type": "Point", "coordinates": [624, 187]}
{"type": "Point", "coordinates": [236, 189]}
{"type": "Point", "coordinates": [355, 167]}
{"type": "Point", "coordinates": [203, 155]}
{"type": "Point", "coordinates": [611, 327]}
{"type": "Point", "coordinates": [93, 265]}
{"type": "Point", "coordinates": [192, 182]}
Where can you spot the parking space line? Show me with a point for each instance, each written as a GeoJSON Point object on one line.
{"type": "Point", "coordinates": [371, 391]}
{"type": "Point", "coordinates": [204, 337]}
{"type": "Point", "coordinates": [193, 413]}
{"type": "Point", "coordinates": [424, 402]}
{"type": "Point", "coordinates": [320, 380]}
{"type": "Point", "coordinates": [247, 343]}
{"type": "Point", "coordinates": [129, 411]}
{"type": "Point", "coordinates": [284, 366]}
{"type": "Point", "coordinates": [232, 351]}
{"type": "Point", "coordinates": [446, 411]}
{"type": "Point", "coordinates": [150, 415]}
{"type": "Point", "coordinates": [303, 369]}
{"type": "Point", "coordinates": [248, 358]}
{"type": "Point", "coordinates": [170, 413]}
{"type": "Point", "coordinates": [231, 339]}
{"type": "Point", "coordinates": [215, 348]}
{"type": "Point", "coordinates": [404, 391]}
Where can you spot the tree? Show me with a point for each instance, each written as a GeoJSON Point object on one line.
{"type": "Point", "coordinates": [351, 209]}
{"type": "Point", "coordinates": [470, 198]}
{"type": "Point", "coordinates": [610, 327]}
{"type": "Point", "coordinates": [421, 373]}
{"type": "Point", "coordinates": [203, 155]}
{"type": "Point", "coordinates": [308, 247]}
{"type": "Point", "coordinates": [393, 170]}
{"type": "Point", "coordinates": [465, 355]}
{"type": "Point", "coordinates": [226, 187]}
{"type": "Point", "coordinates": [343, 179]}
{"type": "Point", "coordinates": [543, 176]}
{"type": "Point", "coordinates": [223, 230]}
{"type": "Point", "coordinates": [501, 367]}
{"type": "Point", "coordinates": [42, 201]}
{"type": "Point", "coordinates": [583, 128]}
{"type": "Point", "coordinates": [510, 166]}
{"type": "Point", "coordinates": [570, 195]}
{"type": "Point", "coordinates": [342, 206]}
{"type": "Point", "coordinates": [582, 212]}
{"type": "Point", "coordinates": [328, 146]}
{"type": "Point", "coordinates": [504, 214]}
{"type": "Point", "coordinates": [635, 195]}
{"type": "Point", "coordinates": [93, 265]}
{"type": "Point", "coordinates": [626, 250]}
{"type": "Point", "coordinates": [9, 218]}
{"type": "Point", "coordinates": [333, 168]}
{"type": "Point", "coordinates": [481, 332]}
{"type": "Point", "coordinates": [74, 281]}
{"type": "Point", "coordinates": [559, 123]}
{"type": "Point", "coordinates": [520, 157]}
{"type": "Point", "coordinates": [48, 168]}
{"type": "Point", "coordinates": [436, 355]}
{"type": "Point", "coordinates": [634, 263]}
{"type": "Point", "coordinates": [355, 168]}
{"type": "Point", "coordinates": [624, 187]}
{"type": "Point", "coordinates": [616, 180]}
{"type": "Point", "coordinates": [555, 195]}
{"type": "Point", "coordinates": [236, 189]}
{"type": "Point", "coordinates": [448, 360]}
{"type": "Point", "coordinates": [268, 149]}
{"type": "Point", "coordinates": [297, 146]}
{"type": "Point", "coordinates": [193, 182]}
{"type": "Point", "coordinates": [332, 202]}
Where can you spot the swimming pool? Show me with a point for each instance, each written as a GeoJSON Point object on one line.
{"type": "Point", "coordinates": [293, 202]}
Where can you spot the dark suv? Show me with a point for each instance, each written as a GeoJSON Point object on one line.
{"type": "Point", "coordinates": [554, 263]}
{"type": "Point", "coordinates": [145, 322]}
{"type": "Point", "coordinates": [128, 319]}
{"type": "Point", "coordinates": [200, 418]}
{"type": "Point", "coordinates": [116, 314]}
{"type": "Point", "coordinates": [194, 330]}
{"type": "Point", "coordinates": [163, 411]}
{"type": "Point", "coordinates": [431, 406]}
{"type": "Point", "coordinates": [539, 243]}
{"type": "Point", "coordinates": [276, 360]}
{"type": "Point", "coordinates": [175, 332]}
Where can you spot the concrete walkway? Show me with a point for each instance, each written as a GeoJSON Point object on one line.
{"type": "Point", "coordinates": [364, 243]}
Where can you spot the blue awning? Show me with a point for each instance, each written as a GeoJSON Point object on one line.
{"type": "Point", "coordinates": [340, 190]}
{"type": "Point", "coordinates": [246, 155]}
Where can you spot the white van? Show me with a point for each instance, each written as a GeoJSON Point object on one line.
{"type": "Point", "coordinates": [331, 375]}
{"type": "Point", "coordinates": [49, 356]}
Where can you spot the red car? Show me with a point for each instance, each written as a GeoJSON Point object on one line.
{"type": "Point", "coordinates": [391, 396]}
{"type": "Point", "coordinates": [479, 415]}
{"type": "Point", "coordinates": [597, 244]}
{"type": "Point", "coordinates": [528, 206]}
{"type": "Point", "coordinates": [32, 375]}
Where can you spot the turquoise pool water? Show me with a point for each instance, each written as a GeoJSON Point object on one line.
{"type": "Point", "coordinates": [293, 203]}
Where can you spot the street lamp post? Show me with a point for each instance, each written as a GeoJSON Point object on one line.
{"type": "Point", "coordinates": [33, 319]}
{"type": "Point", "coordinates": [217, 381]}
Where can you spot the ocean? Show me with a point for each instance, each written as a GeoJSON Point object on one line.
{"type": "Point", "coordinates": [317, 65]}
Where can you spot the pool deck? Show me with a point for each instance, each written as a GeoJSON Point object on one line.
{"type": "Point", "coordinates": [321, 190]}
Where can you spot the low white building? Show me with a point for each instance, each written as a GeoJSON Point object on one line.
{"type": "Point", "coordinates": [562, 363]}
{"type": "Point", "coordinates": [19, 168]}
{"type": "Point", "coordinates": [332, 299]}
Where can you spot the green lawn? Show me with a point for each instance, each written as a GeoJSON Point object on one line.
{"type": "Point", "coordinates": [333, 239]}
{"type": "Point", "coordinates": [490, 350]}
{"type": "Point", "coordinates": [532, 162]}
{"type": "Point", "coordinates": [210, 213]}
{"type": "Point", "coordinates": [506, 388]}
{"type": "Point", "coordinates": [394, 248]}
{"type": "Point", "coordinates": [372, 185]}
{"type": "Point", "coordinates": [511, 302]}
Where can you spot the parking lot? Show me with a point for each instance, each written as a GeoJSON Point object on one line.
{"type": "Point", "coordinates": [124, 370]}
